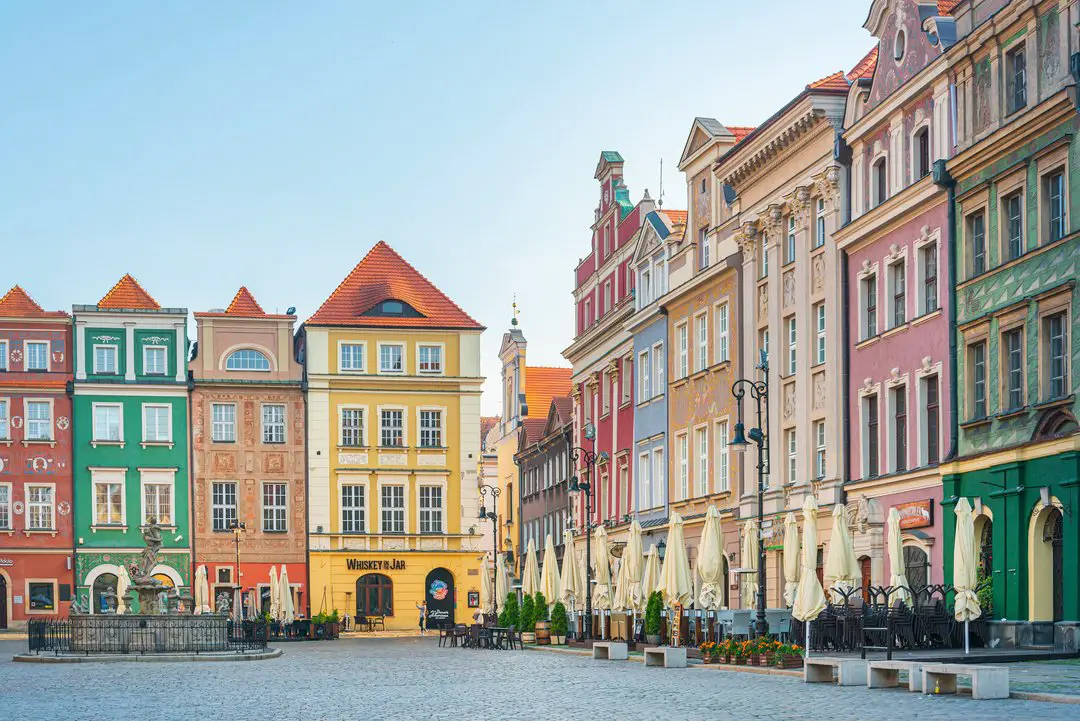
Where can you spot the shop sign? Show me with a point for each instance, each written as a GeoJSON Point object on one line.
{"type": "Point", "coordinates": [6, 562]}
{"type": "Point", "coordinates": [916, 514]}
{"type": "Point", "coordinates": [369, 564]}
{"type": "Point", "coordinates": [439, 594]}
{"type": "Point", "coordinates": [474, 599]}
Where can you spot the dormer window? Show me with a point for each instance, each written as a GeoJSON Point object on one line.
{"type": "Point", "coordinates": [247, 359]}
{"type": "Point", "coordinates": [391, 307]}
{"type": "Point", "coordinates": [899, 45]}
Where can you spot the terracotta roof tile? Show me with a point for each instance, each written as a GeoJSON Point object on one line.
{"type": "Point", "coordinates": [675, 217]}
{"type": "Point", "coordinates": [532, 429]}
{"type": "Point", "coordinates": [17, 303]}
{"type": "Point", "coordinates": [945, 7]}
{"type": "Point", "coordinates": [541, 385]}
{"type": "Point", "coordinates": [486, 424]}
{"type": "Point", "coordinates": [128, 294]}
{"type": "Point", "coordinates": [836, 81]}
{"type": "Point", "coordinates": [740, 131]}
{"type": "Point", "coordinates": [244, 303]}
{"type": "Point", "coordinates": [865, 67]}
{"type": "Point", "coordinates": [565, 408]}
{"type": "Point", "coordinates": [385, 275]}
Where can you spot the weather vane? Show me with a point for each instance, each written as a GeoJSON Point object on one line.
{"type": "Point", "coordinates": [514, 320]}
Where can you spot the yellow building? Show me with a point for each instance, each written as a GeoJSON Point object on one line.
{"type": "Point", "coordinates": [393, 378]}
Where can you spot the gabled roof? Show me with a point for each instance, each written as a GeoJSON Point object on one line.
{"type": "Point", "coordinates": [705, 130]}
{"type": "Point", "coordinates": [675, 217]}
{"type": "Point", "coordinates": [836, 81]}
{"type": "Point", "coordinates": [486, 424]}
{"type": "Point", "coordinates": [543, 383]}
{"type": "Point", "coordinates": [560, 414]}
{"type": "Point", "coordinates": [17, 303]}
{"type": "Point", "coordinates": [945, 7]}
{"type": "Point", "coordinates": [243, 305]}
{"type": "Point", "coordinates": [607, 159]}
{"type": "Point", "coordinates": [127, 294]}
{"type": "Point", "coordinates": [864, 69]}
{"type": "Point", "coordinates": [385, 275]}
{"type": "Point", "coordinates": [532, 430]}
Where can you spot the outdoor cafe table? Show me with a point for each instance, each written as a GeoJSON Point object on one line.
{"type": "Point", "coordinates": [494, 637]}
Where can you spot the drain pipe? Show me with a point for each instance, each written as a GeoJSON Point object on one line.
{"type": "Point", "coordinates": [944, 180]}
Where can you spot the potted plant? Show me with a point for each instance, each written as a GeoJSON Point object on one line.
{"type": "Point", "coordinates": [652, 618]}
{"type": "Point", "coordinates": [334, 621]}
{"type": "Point", "coordinates": [528, 619]}
{"type": "Point", "coordinates": [707, 651]}
{"type": "Point", "coordinates": [510, 614]}
{"type": "Point", "coordinates": [559, 623]}
{"type": "Point", "coordinates": [318, 626]}
{"type": "Point", "coordinates": [726, 649]}
{"type": "Point", "coordinates": [741, 652]}
{"type": "Point", "coordinates": [788, 655]}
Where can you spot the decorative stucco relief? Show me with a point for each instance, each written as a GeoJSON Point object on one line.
{"type": "Point", "coordinates": [789, 401]}
{"type": "Point", "coordinates": [789, 288]}
{"type": "Point", "coordinates": [763, 301]}
{"type": "Point", "coordinates": [819, 391]}
{"type": "Point", "coordinates": [817, 274]}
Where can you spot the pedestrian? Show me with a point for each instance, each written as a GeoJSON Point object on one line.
{"type": "Point", "coordinates": [422, 607]}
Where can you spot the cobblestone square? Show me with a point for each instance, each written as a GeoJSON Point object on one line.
{"type": "Point", "coordinates": [413, 678]}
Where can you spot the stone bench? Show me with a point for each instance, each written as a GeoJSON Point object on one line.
{"type": "Point", "coordinates": [886, 674]}
{"type": "Point", "coordinates": [849, 671]}
{"type": "Point", "coordinates": [986, 681]}
{"type": "Point", "coordinates": [666, 656]}
{"type": "Point", "coordinates": [609, 651]}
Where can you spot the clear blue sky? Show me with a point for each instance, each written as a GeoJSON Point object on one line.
{"type": "Point", "coordinates": [201, 146]}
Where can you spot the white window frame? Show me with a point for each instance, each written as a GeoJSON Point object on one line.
{"type": "Point", "coordinates": [263, 425]}
{"type": "Point", "coordinates": [27, 491]}
{"type": "Point", "coordinates": [404, 486]}
{"type": "Point", "coordinates": [658, 478]}
{"type": "Point", "coordinates": [157, 477]}
{"type": "Point", "coordinates": [274, 508]}
{"type": "Point", "coordinates": [819, 225]}
{"type": "Point", "coordinates": [7, 518]}
{"type": "Point", "coordinates": [722, 471]}
{"type": "Point", "coordinates": [169, 423]}
{"type": "Point", "coordinates": [701, 334]}
{"type": "Point", "coordinates": [820, 457]}
{"type": "Point", "coordinates": [108, 476]}
{"type": "Point", "coordinates": [94, 408]}
{"type": "Point", "coordinates": [790, 241]}
{"type": "Point", "coordinates": [644, 473]}
{"type": "Point", "coordinates": [3, 355]}
{"type": "Point", "coordinates": [644, 376]}
{"type": "Point", "coordinates": [819, 327]}
{"type": "Point", "coordinates": [682, 441]}
{"type": "Point", "coordinates": [645, 281]}
{"type": "Point", "coordinates": [659, 386]}
{"type": "Point", "coordinates": [701, 450]}
{"type": "Point", "coordinates": [363, 509]}
{"type": "Point", "coordinates": [364, 422]}
{"type": "Point", "coordinates": [214, 505]}
{"type": "Point", "coordinates": [420, 348]}
{"type": "Point", "coordinates": [404, 360]}
{"type": "Point", "coordinates": [865, 278]}
{"type": "Point", "coordinates": [235, 352]}
{"type": "Point", "coordinates": [214, 423]}
{"type": "Point", "coordinates": [682, 340]}
{"type": "Point", "coordinates": [116, 358]}
{"type": "Point", "coordinates": [791, 440]}
{"type": "Point", "coordinates": [51, 437]}
{"type": "Point", "coordinates": [722, 315]}
{"type": "Point", "coordinates": [342, 345]}
{"type": "Point", "coordinates": [793, 334]}
{"type": "Point", "coordinates": [441, 510]}
{"type": "Point", "coordinates": [626, 384]}
{"type": "Point", "coordinates": [404, 425]}
{"type": "Point", "coordinates": [5, 419]}
{"type": "Point", "coordinates": [894, 269]}
{"type": "Point", "coordinates": [26, 356]}
{"type": "Point", "coordinates": [441, 430]}
{"type": "Point", "coordinates": [164, 355]}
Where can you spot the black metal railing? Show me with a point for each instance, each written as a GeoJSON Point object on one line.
{"type": "Point", "coordinates": [136, 634]}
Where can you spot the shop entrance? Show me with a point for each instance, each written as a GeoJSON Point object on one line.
{"type": "Point", "coordinates": [3, 602]}
{"type": "Point", "coordinates": [439, 593]}
{"type": "Point", "coordinates": [1053, 535]}
{"type": "Point", "coordinates": [98, 593]}
{"type": "Point", "coordinates": [374, 595]}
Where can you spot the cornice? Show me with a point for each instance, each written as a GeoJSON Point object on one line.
{"type": "Point", "coordinates": [909, 203]}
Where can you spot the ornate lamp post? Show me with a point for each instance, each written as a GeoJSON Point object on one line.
{"type": "Point", "coordinates": [759, 434]}
{"type": "Point", "coordinates": [237, 527]}
{"type": "Point", "coordinates": [588, 458]}
{"type": "Point", "coordinates": [492, 515]}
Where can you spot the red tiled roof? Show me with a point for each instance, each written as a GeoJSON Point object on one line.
{"type": "Point", "coordinates": [865, 67]}
{"type": "Point", "coordinates": [945, 7]}
{"type": "Point", "coordinates": [565, 408]}
{"type": "Point", "coordinates": [739, 131]}
{"type": "Point", "coordinates": [532, 429]}
{"type": "Point", "coordinates": [541, 385]}
{"type": "Point", "coordinates": [675, 217]}
{"type": "Point", "coordinates": [836, 81]}
{"type": "Point", "coordinates": [385, 275]}
{"type": "Point", "coordinates": [486, 424]}
{"type": "Point", "coordinates": [128, 294]}
{"type": "Point", "coordinates": [17, 303]}
{"type": "Point", "coordinates": [244, 303]}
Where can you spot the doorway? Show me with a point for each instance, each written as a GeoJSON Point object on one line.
{"type": "Point", "coordinates": [439, 594]}
{"type": "Point", "coordinates": [3, 601]}
{"type": "Point", "coordinates": [1052, 534]}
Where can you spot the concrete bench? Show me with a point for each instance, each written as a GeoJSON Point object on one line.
{"type": "Point", "coordinates": [986, 681]}
{"type": "Point", "coordinates": [849, 671]}
{"type": "Point", "coordinates": [609, 651]}
{"type": "Point", "coordinates": [666, 656]}
{"type": "Point", "coordinates": [886, 674]}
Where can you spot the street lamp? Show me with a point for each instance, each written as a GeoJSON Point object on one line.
{"type": "Point", "coordinates": [237, 527]}
{"type": "Point", "coordinates": [492, 515]}
{"type": "Point", "coordinates": [588, 458]}
{"type": "Point", "coordinates": [759, 434]}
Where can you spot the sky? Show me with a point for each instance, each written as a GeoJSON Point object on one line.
{"type": "Point", "coordinates": [201, 146]}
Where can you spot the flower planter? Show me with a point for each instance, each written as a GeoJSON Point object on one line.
{"type": "Point", "coordinates": [788, 662]}
{"type": "Point", "coordinates": [653, 639]}
{"type": "Point", "coordinates": [558, 640]}
{"type": "Point", "coordinates": [706, 659]}
{"type": "Point", "coordinates": [528, 637]}
{"type": "Point", "coordinates": [725, 659]}
{"type": "Point", "coordinates": [756, 660]}
{"type": "Point", "coordinates": [740, 661]}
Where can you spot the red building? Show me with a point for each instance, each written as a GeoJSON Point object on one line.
{"type": "Point", "coordinates": [35, 460]}
{"type": "Point", "coordinates": [602, 351]}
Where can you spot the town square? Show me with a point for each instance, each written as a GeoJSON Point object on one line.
{"type": "Point", "coordinates": [540, 361]}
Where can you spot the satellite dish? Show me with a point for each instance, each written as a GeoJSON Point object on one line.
{"type": "Point", "coordinates": [291, 310]}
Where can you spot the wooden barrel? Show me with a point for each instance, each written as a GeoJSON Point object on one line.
{"type": "Point", "coordinates": [543, 633]}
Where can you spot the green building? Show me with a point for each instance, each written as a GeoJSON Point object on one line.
{"type": "Point", "coordinates": [1017, 260]}
{"type": "Point", "coordinates": [130, 438]}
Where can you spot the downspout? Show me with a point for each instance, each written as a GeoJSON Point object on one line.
{"type": "Point", "coordinates": [301, 342]}
{"type": "Point", "coordinates": [69, 390]}
{"type": "Point", "coordinates": [944, 180]}
{"type": "Point", "coordinates": [191, 479]}
{"type": "Point", "coordinates": [667, 408]}
{"type": "Point", "coordinates": [845, 363]}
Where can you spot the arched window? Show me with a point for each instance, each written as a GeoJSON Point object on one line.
{"type": "Point", "coordinates": [101, 586]}
{"type": "Point", "coordinates": [247, 359]}
{"type": "Point", "coordinates": [880, 182]}
{"type": "Point", "coordinates": [374, 595]}
{"type": "Point", "coordinates": [917, 566]}
{"type": "Point", "coordinates": [166, 582]}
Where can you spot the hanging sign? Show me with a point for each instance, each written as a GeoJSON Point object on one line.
{"type": "Point", "coordinates": [916, 514]}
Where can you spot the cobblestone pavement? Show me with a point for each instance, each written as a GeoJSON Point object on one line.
{"type": "Point", "coordinates": [414, 679]}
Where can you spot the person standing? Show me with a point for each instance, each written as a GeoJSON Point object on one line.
{"type": "Point", "coordinates": [423, 616]}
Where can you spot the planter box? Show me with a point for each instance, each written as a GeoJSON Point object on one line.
{"type": "Point", "coordinates": [788, 662]}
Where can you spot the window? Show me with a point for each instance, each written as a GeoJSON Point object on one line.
{"type": "Point", "coordinates": [223, 422]}
{"type": "Point", "coordinates": [353, 513]}
{"type": "Point", "coordinates": [352, 427]}
{"type": "Point", "coordinates": [605, 385]}
{"type": "Point", "coordinates": [869, 285]}
{"type": "Point", "coordinates": [645, 296]}
{"type": "Point", "coordinates": [763, 342]}
{"type": "Point", "coordinates": [390, 359]}
{"type": "Point", "coordinates": [38, 421]}
{"type": "Point", "coordinates": [431, 429]}
{"type": "Point", "coordinates": [108, 502]}
{"type": "Point", "coordinates": [157, 503]}
{"type": "Point", "coordinates": [1054, 192]}
{"type": "Point", "coordinates": [374, 595]}
{"type": "Point", "coordinates": [605, 301]}
{"type": "Point", "coordinates": [352, 357]}
{"type": "Point", "coordinates": [819, 315]}
{"type": "Point", "coordinates": [819, 225]}
{"type": "Point", "coordinates": [703, 246]}
{"type": "Point", "coordinates": [899, 45]}
{"type": "Point", "coordinates": [107, 422]}
{"type": "Point", "coordinates": [922, 153]}
{"type": "Point", "coordinates": [977, 384]}
{"type": "Point", "coordinates": [722, 339]}
{"type": "Point", "coordinates": [819, 449]}
{"type": "Point", "coordinates": [1016, 79]}
{"type": "Point", "coordinates": [5, 428]}
{"type": "Point", "coordinates": [247, 359]}
{"type": "Point", "coordinates": [157, 424]}
{"type": "Point", "coordinates": [644, 379]}
{"type": "Point", "coordinates": [789, 247]}
{"type": "Point", "coordinates": [701, 191]}
{"type": "Point", "coordinates": [872, 468]}
{"type": "Point", "coordinates": [42, 595]}
{"type": "Point", "coordinates": [763, 251]}
{"type": "Point", "coordinates": [722, 476]}
{"type": "Point", "coordinates": [273, 423]}
{"type": "Point", "coordinates": [1012, 347]}
{"type": "Point", "coordinates": [3, 355]}
{"type": "Point", "coordinates": [391, 428]}
{"type": "Point", "coordinates": [899, 401]}
{"type": "Point", "coordinates": [431, 509]}
{"type": "Point", "coordinates": [37, 356]}
{"type": "Point", "coordinates": [658, 482]}
{"type": "Point", "coordinates": [880, 182]}
{"type": "Point", "coordinates": [588, 312]}
{"type": "Point", "coordinates": [791, 345]}
{"type": "Point", "coordinates": [105, 360]}
{"type": "Point", "coordinates": [933, 418]}
{"type": "Point", "coordinates": [792, 457]}
{"type": "Point", "coordinates": [275, 510]}
{"type": "Point", "coordinates": [645, 494]}
{"type": "Point", "coordinates": [1055, 332]}
{"type": "Point", "coordinates": [684, 465]}
{"type": "Point", "coordinates": [1014, 226]}
{"type": "Point", "coordinates": [701, 353]}
{"type": "Point", "coordinates": [393, 509]}
{"type": "Point", "coordinates": [5, 506]}
{"type": "Point", "coordinates": [627, 374]}
{"type": "Point", "coordinates": [659, 369]}
{"type": "Point", "coordinates": [682, 340]}
{"type": "Point", "coordinates": [39, 508]}
{"type": "Point", "coordinates": [223, 505]}
{"type": "Point", "coordinates": [154, 360]}
{"type": "Point", "coordinates": [899, 296]}
{"type": "Point", "coordinates": [430, 359]}
{"type": "Point", "coordinates": [702, 443]}
{"type": "Point", "coordinates": [928, 257]}
{"type": "Point", "coordinates": [977, 242]}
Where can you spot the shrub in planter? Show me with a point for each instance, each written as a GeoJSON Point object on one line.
{"type": "Point", "coordinates": [540, 608]}
{"type": "Point", "coordinates": [653, 610]}
{"type": "Point", "coordinates": [528, 619]}
{"type": "Point", "coordinates": [334, 621]}
{"type": "Point", "coordinates": [559, 624]}
{"type": "Point", "coordinates": [510, 614]}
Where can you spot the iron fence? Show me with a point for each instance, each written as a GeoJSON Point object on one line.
{"type": "Point", "coordinates": [135, 634]}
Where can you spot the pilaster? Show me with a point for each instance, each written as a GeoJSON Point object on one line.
{"type": "Point", "coordinates": [129, 339]}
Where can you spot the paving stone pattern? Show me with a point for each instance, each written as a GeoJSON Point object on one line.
{"type": "Point", "coordinates": [414, 679]}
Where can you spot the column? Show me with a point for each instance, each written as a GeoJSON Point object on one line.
{"type": "Point", "coordinates": [80, 350]}
{"type": "Point", "coordinates": [129, 354]}
{"type": "Point", "coordinates": [181, 351]}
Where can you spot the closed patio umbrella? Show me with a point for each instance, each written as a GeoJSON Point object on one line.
{"type": "Point", "coordinates": [809, 598]}
{"type": "Point", "coordinates": [275, 599]}
{"type": "Point", "coordinates": [620, 600]}
{"type": "Point", "coordinates": [601, 597]}
{"type": "Point", "coordinates": [750, 560]}
{"type": "Point", "coordinates": [572, 590]}
{"type": "Point", "coordinates": [634, 559]}
{"type": "Point", "coordinates": [530, 575]}
{"type": "Point", "coordinates": [288, 613]}
{"type": "Point", "coordinates": [791, 558]}
{"type": "Point", "coordinates": [549, 575]}
{"type": "Point", "coordinates": [202, 591]}
{"type": "Point", "coordinates": [123, 583]}
{"type": "Point", "coordinates": [502, 582]}
{"type": "Point", "coordinates": [710, 563]}
{"type": "Point", "coordinates": [676, 584]}
{"type": "Point", "coordinates": [485, 585]}
{"type": "Point", "coordinates": [898, 579]}
{"type": "Point", "coordinates": [841, 567]}
{"type": "Point", "coordinates": [650, 577]}
{"type": "Point", "coordinates": [965, 579]}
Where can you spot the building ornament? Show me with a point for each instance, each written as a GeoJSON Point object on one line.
{"type": "Point", "coordinates": [827, 185]}
{"type": "Point", "coordinates": [798, 204]}
{"type": "Point", "coordinates": [613, 369]}
{"type": "Point", "coordinates": [746, 238]}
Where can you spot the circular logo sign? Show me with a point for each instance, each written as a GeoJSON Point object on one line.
{"type": "Point", "coordinates": [438, 590]}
